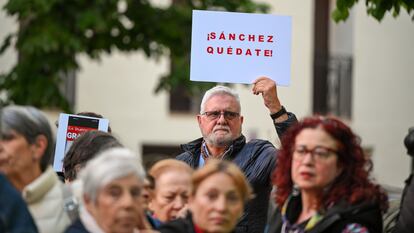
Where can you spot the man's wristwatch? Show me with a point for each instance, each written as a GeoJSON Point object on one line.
{"type": "Point", "coordinates": [278, 114]}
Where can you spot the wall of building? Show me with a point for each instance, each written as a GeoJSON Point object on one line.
{"type": "Point", "coordinates": [383, 82]}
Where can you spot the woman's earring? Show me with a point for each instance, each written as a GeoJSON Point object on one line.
{"type": "Point", "coordinates": [295, 190]}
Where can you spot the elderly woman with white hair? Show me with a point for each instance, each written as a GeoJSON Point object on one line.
{"type": "Point", "coordinates": [112, 185]}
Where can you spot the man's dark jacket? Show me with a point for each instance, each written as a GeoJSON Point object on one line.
{"type": "Point", "coordinates": [256, 159]}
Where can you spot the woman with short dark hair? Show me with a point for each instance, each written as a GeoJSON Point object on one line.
{"type": "Point", "coordinates": [84, 148]}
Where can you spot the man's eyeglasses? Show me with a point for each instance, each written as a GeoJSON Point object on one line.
{"type": "Point", "coordinates": [228, 115]}
{"type": "Point", "coordinates": [319, 153]}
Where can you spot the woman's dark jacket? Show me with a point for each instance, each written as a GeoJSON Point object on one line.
{"type": "Point", "coordinates": [256, 159]}
{"type": "Point", "coordinates": [335, 219]}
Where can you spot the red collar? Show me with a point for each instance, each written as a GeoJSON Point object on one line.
{"type": "Point", "coordinates": [197, 229]}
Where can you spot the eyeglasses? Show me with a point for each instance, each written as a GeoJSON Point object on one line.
{"type": "Point", "coordinates": [319, 153]}
{"type": "Point", "coordinates": [228, 115]}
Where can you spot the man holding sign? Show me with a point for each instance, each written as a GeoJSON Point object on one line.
{"type": "Point", "coordinates": [220, 122]}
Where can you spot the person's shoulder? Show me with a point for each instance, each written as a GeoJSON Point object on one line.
{"type": "Point", "coordinates": [365, 209]}
{"type": "Point", "coordinates": [13, 210]}
{"type": "Point", "coordinates": [190, 151]}
{"type": "Point", "coordinates": [186, 157]}
{"type": "Point", "coordinates": [261, 149]}
{"type": "Point", "coordinates": [45, 188]}
{"type": "Point", "coordinates": [183, 156]}
{"type": "Point", "coordinates": [363, 216]}
{"type": "Point", "coordinates": [6, 189]}
{"type": "Point", "coordinates": [193, 145]}
{"type": "Point", "coordinates": [261, 143]}
{"type": "Point", "coordinates": [259, 155]}
{"type": "Point", "coordinates": [76, 227]}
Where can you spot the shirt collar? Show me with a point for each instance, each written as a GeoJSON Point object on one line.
{"type": "Point", "coordinates": [40, 186]}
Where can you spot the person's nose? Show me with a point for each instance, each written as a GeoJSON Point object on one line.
{"type": "Point", "coordinates": [127, 200]}
{"type": "Point", "coordinates": [221, 119]}
{"type": "Point", "coordinates": [178, 203]}
{"type": "Point", "coordinates": [1, 146]}
{"type": "Point", "coordinates": [308, 158]}
{"type": "Point", "coordinates": [220, 204]}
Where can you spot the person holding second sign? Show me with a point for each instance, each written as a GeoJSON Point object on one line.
{"type": "Point", "coordinates": [220, 121]}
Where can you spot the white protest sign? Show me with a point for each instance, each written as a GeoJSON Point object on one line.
{"type": "Point", "coordinates": [70, 127]}
{"type": "Point", "coordinates": [240, 47]}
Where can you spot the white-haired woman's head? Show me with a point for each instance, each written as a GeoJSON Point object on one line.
{"type": "Point", "coordinates": [112, 186]}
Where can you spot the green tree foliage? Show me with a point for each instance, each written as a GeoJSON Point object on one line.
{"type": "Point", "coordinates": [375, 8]}
{"type": "Point", "coordinates": [53, 33]}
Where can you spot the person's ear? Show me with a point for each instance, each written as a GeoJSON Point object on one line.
{"type": "Point", "coordinates": [191, 203]}
{"type": "Point", "coordinates": [241, 119]}
{"type": "Point", "coordinates": [39, 146]}
{"type": "Point", "coordinates": [151, 205]}
{"type": "Point", "coordinates": [90, 206]}
{"type": "Point", "coordinates": [199, 119]}
{"type": "Point", "coordinates": [340, 169]}
{"type": "Point", "coordinates": [86, 199]}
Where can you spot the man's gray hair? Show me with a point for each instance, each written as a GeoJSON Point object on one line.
{"type": "Point", "coordinates": [30, 123]}
{"type": "Point", "coordinates": [218, 90]}
{"type": "Point", "coordinates": [107, 166]}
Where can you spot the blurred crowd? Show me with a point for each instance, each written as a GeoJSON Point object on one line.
{"type": "Point", "coordinates": [319, 180]}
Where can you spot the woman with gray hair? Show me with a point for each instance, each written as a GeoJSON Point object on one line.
{"type": "Point", "coordinates": [26, 147]}
{"type": "Point", "coordinates": [112, 185]}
